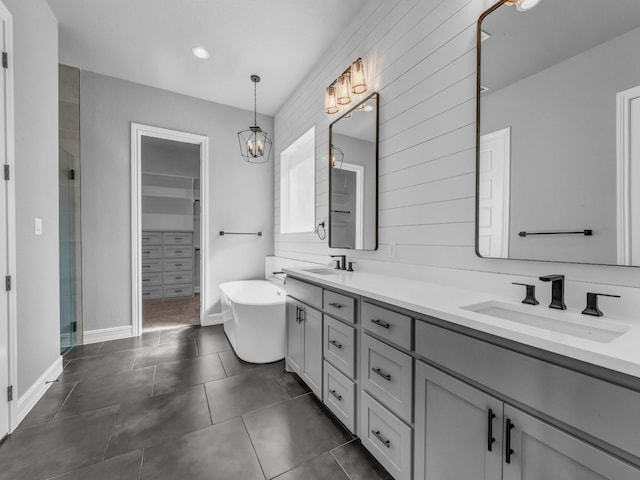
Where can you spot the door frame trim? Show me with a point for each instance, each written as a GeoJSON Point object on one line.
{"type": "Point", "coordinates": [138, 131]}
{"type": "Point", "coordinates": [12, 336]}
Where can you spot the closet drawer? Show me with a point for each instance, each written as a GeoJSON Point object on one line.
{"type": "Point", "coordinates": [177, 252]}
{"type": "Point", "coordinates": [178, 238]}
{"type": "Point", "coordinates": [305, 292]}
{"type": "Point", "coordinates": [151, 252]}
{"type": "Point", "coordinates": [339, 396]}
{"type": "Point", "coordinates": [151, 293]}
{"type": "Point", "coordinates": [178, 265]}
{"type": "Point", "coordinates": [151, 279]}
{"type": "Point", "coordinates": [340, 306]}
{"type": "Point", "coordinates": [387, 374]}
{"type": "Point", "coordinates": [151, 266]}
{"type": "Point", "coordinates": [392, 326]}
{"type": "Point", "coordinates": [151, 238]}
{"type": "Point", "coordinates": [178, 291]}
{"type": "Point", "coordinates": [339, 345]}
{"type": "Point", "coordinates": [174, 278]}
{"type": "Point", "coordinates": [386, 437]}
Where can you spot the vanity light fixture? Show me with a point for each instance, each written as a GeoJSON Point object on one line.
{"type": "Point", "coordinates": [344, 88]}
{"type": "Point", "coordinates": [330, 100]}
{"type": "Point", "coordinates": [200, 52]}
{"type": "Point", "coordinates": [358, 82]}
{"type": "Point", "coordinates": [255, 145]}
{"type": "Point", "coordinates": [351, 82]}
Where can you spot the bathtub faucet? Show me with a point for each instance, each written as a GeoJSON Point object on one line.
{"type": "Point", "coordinates": [341, 264]}
{"type": "Point", "coordinates": [284, 280]}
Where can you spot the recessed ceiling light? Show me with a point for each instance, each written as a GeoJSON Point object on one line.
{"type": "Point", "coordinates": [200, 52]}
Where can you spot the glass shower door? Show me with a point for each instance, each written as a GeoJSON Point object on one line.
{"type": "Point", "coordinates": [68, 275]}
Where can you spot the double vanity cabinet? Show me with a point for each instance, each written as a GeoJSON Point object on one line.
{"type": "Point", "coordinates": [435, 401]}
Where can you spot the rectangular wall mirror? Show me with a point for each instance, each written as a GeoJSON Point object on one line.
{"type": "Point", "coordinates": [353, 178]}
{"type": "Point", "coordinates": [558, 143]}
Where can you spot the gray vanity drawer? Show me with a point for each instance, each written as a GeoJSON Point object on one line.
{"type": "Point", "coordinates": [340, 306]}
{"type": "Point", "coordinates": [178, 265]}
{"type": "Point", "coordinates": [151, 266]}
{"type": "Point", "coordinates": [339, 396]}
{"type": "Point", "coordinates": [173, 278]}
{"type": "Point", "coordinates": [151, 252]}
{"type": "Point", "coordinates": [392, 326]}
{"type": "Point", "coordinates": [151, 279]}
{"type": "Point", "coordinates": [178, 238]}
{"type": "Point", "coordinates": [178, 291]}
{"type": "Point", "coordinates": [177, 251]}
{"type": "Point", "coordinates": [151, 293]}
{"type": "Point", "coordinates": [387, 374]}
{"type": "Point", "coordinates": [305, 292]}
{"type": "Point", "coordinates": [151, 238]}
{"type": "Point", "coordinates": [386, 437]}
{"type": "Point", "coordinates": [339, 345]}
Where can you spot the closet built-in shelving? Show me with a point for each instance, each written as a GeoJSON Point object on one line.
{"type": "Point", "coordinates": [168, 201]}
{"type": "Point", "coordinates": [171, 235]}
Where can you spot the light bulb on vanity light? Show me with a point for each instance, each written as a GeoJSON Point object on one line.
{"type": "Point", "coordinates": [358, 82]}
{"type": "Point", "coordinates": [330, 100]}
{"type": "Point", "coordinates": [523, 5]}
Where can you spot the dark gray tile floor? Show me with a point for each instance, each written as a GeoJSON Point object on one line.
{"type": "Point", "coordinates": [180, 404]}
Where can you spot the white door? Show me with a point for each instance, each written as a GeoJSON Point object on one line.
{"type": "Point", "coordinates": [4, 235]}
{"type": "Point", "coordinates": [493, 194]}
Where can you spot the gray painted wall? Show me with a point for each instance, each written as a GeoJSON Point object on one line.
{"type": "Point", "coordinates": [35, 36]}
{"type": "Point", "coordinates": [241, 193]}
{"type": "Point", "coordinates": [563, 151]}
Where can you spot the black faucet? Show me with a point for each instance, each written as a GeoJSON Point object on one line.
{"type": "Point", "coordinates": [341, 264]}
{"type": "Point", "coordinates": [557, 291]}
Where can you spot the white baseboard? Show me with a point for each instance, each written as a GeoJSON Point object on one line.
{"type": "Point", "coordinates": [212, 319]}
{"type": "Point", "coordinates": [27, 400]}
{"type": "Point", "coordinates": [106, 334]}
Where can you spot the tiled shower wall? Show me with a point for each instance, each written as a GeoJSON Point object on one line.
{"type": "Point", "coordinates": [421, 56]}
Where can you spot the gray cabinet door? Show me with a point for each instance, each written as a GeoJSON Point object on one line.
{"type": "Point", "coordinates": [295, 330]}
{"type": "Point", "coordinates": [543, 452]}
{"type": "Point", "coordinates": [312, 349]}
{"type": "Point", "coordinates": [452, 429]}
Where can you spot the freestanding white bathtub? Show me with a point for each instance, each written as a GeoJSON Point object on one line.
{"type": "Point", "coordinates": [253, 314]}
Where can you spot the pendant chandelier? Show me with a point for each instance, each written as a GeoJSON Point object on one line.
{"type": "Point", "coordinates": [255, 145]}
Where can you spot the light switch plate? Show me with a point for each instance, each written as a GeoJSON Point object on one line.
{"type": "Point", "coordinates": [37, 226]}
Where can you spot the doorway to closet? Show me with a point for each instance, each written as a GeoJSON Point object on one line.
{"type": "Point", "coordinates": [169, 228]}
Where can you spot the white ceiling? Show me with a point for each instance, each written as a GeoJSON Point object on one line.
{"type": "Point", "coordinates": [150, 41]}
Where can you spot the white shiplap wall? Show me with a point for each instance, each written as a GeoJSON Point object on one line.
{"type": "Point", "coordinates": [421, 57]}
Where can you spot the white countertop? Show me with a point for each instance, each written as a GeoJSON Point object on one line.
{"type": "Point", "coordinates": [443, 302]}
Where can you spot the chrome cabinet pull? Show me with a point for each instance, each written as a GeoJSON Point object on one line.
{"type": "Point", "coordinates": [146, 251]}
{"type": "Point", "coordinates": [301, 314]}
{"type": "Point", "coordinates": [335, 305]}
{"type": "Point", "coordinates": [297, 314]}
{"type": "Point", "coordinates": [177, 251]}
{"type": "Point", "coordinates": [146, 279]}
{"type": "Point", "coordinates": [335, 394]}
{"type": "Point", "coordinates": [381, 323]}
{"type": "Point", "coordinates": [178, 278]}
{"type": "Point", "coordinates": [146, 266]}
{"type": "Point", "coordinates": [379, 436]}
{"type": "Point", "coordinates": [384, 375]}
{"type": "Point", "coordinates": [178, 264]}
{"type": "Point", "coordinates": [336, 344]}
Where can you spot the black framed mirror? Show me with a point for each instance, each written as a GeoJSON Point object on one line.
{"type": "Point", "coordinates": [558, 91]}
{"type": "Point", "coordinates": [353, 178]}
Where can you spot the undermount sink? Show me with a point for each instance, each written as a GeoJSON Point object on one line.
{"type": "Point", "coordinates": [320, 271]}
{"type": "Point", "coordinates": [597, 330]}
